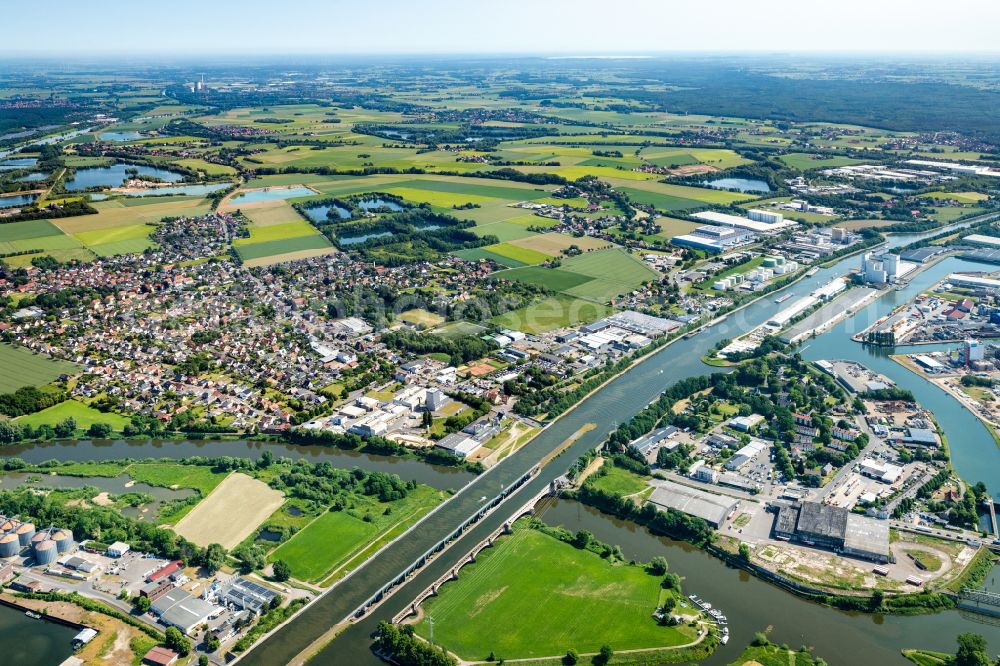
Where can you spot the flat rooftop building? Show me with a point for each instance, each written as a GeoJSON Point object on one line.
{"type": "Point", "coordinates": [834, 527]}
{"type": "Point", "coordinates": [712, 508]}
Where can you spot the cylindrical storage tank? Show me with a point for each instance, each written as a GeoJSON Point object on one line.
{"type": "Point", "coordinates": [9, 545]}
{"type": "Point", "coordinates": [25, 532]}
{"type": "Point", "coordinates": [6, 526]}
{"type": "Point", "coordinates": [63, 539]}
{"type": "Point", "coordinates": [45, 552]}
{"type": "Point", "coordinates": [39, 537]}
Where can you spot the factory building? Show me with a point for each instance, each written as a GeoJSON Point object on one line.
{"type": "Point", "coordinates": [882, 268]}
{"type": "Point", "coordinates": [713, 238]}
{"type": "Point", "coordinates": [713, 509]}
{"type": "Point", "coordinates": [179, 609]}
{"type": "Point", "coordinates": [748, 223]}
{"type": "Point", "coordinates": [833, 527]}
{"type": "Point", "coordinates": [766, 216]}
{"type": "Point", "coordinates": [973, 281]}
{"type": "Point", "coordinates": [244, 594]}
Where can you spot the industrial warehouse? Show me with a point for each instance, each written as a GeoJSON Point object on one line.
{"type": "Point", "coordinates": [713, 509]}
{"type": "Point", "coordinates": [836, 528]}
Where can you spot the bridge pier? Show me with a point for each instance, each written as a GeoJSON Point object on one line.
{"type": "Point", "coordinates": [993, 519]}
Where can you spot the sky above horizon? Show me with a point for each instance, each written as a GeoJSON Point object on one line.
{"type": "Point", "coordinates": [513, 26]}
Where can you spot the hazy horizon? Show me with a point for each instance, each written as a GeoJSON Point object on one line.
{"type": "Point", "coordinates": [519, 27]}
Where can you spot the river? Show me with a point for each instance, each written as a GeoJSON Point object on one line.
{"type": "Point", "coordinates": [436, 476]}
{"type": "Point", "coordinates": [878, 639]}
{"type": "Point", "coordinates": [615, 403]}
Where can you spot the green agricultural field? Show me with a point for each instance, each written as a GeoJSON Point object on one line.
{"type": "Point", "coordinates": [209, 168]}
{"type": "Point", "coordinates": [133, 211]}
{"type": "Point", "coordinates": [85, 416]}
{"type": "Point", "coordinates": [525, 256]}
{"type": "Point", "coordinates": [117, 240]}
{"type": "Point", "coordinates": [551, 313]}
{"type": "Point", "coordinates": [340, 540]}
{"type": "Point", "coordinates": [602, 172]}
{"type": "Point", "coordinates": [960, 197]}
{"type": "Point", "coordinates": [671, 226]}
{"type": "Point", "coordinates": [22, 367]}
{"type": "Point", "coordinates": [282, 246]}
{"type": "Point", "coordinates": [615, 272]}
{"type": "Point", "coordinates": [477, 253]}
{"type": "Point", "coordinates": [443, 199]}
{"type": "Point", "coordinates": [705, 195]}
{"type": "Point", "coordinates": [275, 232]}
{"type": "Point", "coordinates": [34, 235]}
{"type": "Point", "coordinates": [660, 201]}
{"type": "Point", "coordinates": [806, 161]}
{"type": "Point", "coordinates": [504, 231]}
{"type": "Point", "coordinates": [554, 278]}
{"type": "Point", "coordinates": [532, 595]}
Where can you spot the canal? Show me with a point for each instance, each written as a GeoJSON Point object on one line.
{"type": "Point", "coordinates": [32, 642]}
{"type": "Point", "coordinates": [615, 403]}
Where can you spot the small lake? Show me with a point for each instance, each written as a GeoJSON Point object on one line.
{"type": "Point", "coordinates": [271, 194]}
{"type": "Point", "coordinates": [375, 204]}
{"type": "Point", "coordinates": [18, 163]}
{"type": "Point", "coordinates": [17, 200]}
{"type": "Point", "coordinates": [321, 213]}
{"type": "Point", "coordinates": [396, 133]}
{"type": "Point", "coordinates": [116, 485]}
{"type": "Point", "coordinates": [33, 642]}
{"type": "Point", "coordinates": [738, 184]}
{"type": "Point", "coordinates": [190, 190]}
{"type": "Point", "coordinates": [33, 177]}
{"type": "Point", "coordinates": [354, 240]}
{"type": "Point", "coordinates": [115, 175]}
{"type": "Point", "coordinates": [121, 136]}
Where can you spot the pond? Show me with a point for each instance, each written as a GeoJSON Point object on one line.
{"type": "Point", "coordinates": [18, 163]}
{"type": "Point", "coordinates": [115, 175]}
{"type": "Point", "coordinates": [16, 200]}
{"type": "Point", "coordinates": [121, 136]}
{"type": "Point", "coordinates": [354, 240]}
{"type": "Point", "coordinates": [272, 194]}
{"type": "Point", "coordinates": [269, 535]}
{"type": "Point", "coordinates": [32, 177]}
{"type": "Point", "coordinates": [33, 642]}
{"type": "Point", "coordinates": [738, 184]}
{"type": "Point", "coordinates": [190, 190]}
{"type": "Point", "coordinates": [375, 204]}
{"type": "Point", "coordinates": [117, 485]}
{"type": "Point", "coordinates": [321, 212]}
